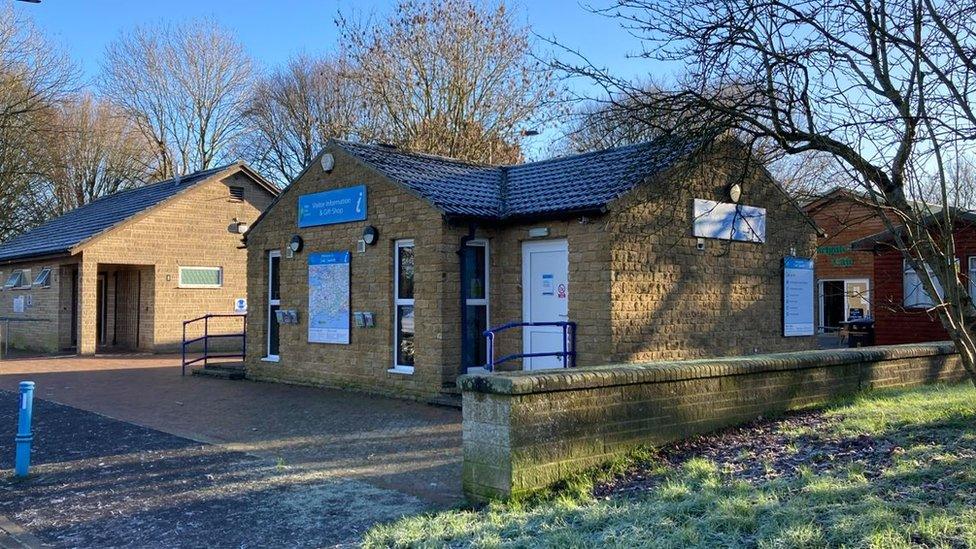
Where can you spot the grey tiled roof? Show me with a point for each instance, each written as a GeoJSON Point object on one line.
{"type": "Point", "coordinates": [573, 183]}
{"type": "Point", "coordinates": [61, 234]}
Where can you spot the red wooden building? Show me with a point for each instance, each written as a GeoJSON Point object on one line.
{"type": "Point", "coordinates": [902, 308]}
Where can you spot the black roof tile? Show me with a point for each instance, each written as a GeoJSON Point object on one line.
{"type": "Point", "coordinates": [61, 234]}
{"type": "Point", "coordinates": [572, 183]}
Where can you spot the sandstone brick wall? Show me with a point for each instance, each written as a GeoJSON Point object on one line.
{"type": "Point", "coordinates": [524, 431]}
{"type": "Point", "coordinates": [192, 230]}
{"type": "Point", "coordinates": [39, 326]}
{"type": "Point", "coordinates": [669, 300]}
{"type": "Point", "coordinates": [364, 363]}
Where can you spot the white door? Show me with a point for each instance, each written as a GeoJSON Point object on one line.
{"type": "Point", "coordinates": [545, 298]}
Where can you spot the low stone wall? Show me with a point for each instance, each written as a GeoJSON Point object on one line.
{"type": "Point", "coordinates": [525, 430]}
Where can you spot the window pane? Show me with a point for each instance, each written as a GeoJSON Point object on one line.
{"type": "Point", "coordinates": [476, 345]}
{"type": "Point", "coordinates": [14, 280]}
{"type": "Point", "coordinates": [474, 271]}
{"type": "Point", "coordinates": [275, 277]}
{"type": "Point", "coordinates": [405, 333]}
{"type": "Point", "coordinates": [405, 272]}
{"type": "Point", "coordinates": [200, 277]}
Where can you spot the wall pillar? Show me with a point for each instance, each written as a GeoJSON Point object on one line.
{"type": "Point", "coordinates": [87, 307]}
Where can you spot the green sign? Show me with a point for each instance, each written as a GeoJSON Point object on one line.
{"type": "Point", "coordinates": [834, 250]}
{"type": "Point", "coordinates": [842, 262]}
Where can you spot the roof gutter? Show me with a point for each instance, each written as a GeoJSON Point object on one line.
{"type": "Point", "coordinates": [31, 257]}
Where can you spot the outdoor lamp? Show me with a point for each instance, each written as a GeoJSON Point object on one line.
{"type": "Point", "coordinates": [735, 192]}
{"type": "Point", "coordinates": [296, 244]}
{"type": "Point", "coordinates": [370, 235]}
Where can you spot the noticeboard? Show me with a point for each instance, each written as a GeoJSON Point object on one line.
{"type": "Point", "coordinates": [328, 297]}
{"type": "Point", "coordinates": [798, 297]}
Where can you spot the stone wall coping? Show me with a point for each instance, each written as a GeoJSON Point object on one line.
{"type": "Point", "coordinates": [610, 375]}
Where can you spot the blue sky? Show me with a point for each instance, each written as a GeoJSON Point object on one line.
{"type": "Point", "coordinates": [273, 30]}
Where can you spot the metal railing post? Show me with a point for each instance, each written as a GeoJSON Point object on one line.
{"type": "Point", "coordinates": [572, 326]}
{"type": "Point", "coordinates": [244, 342]}
{"type": "Point", "coordinates": [206, 339]}
{"type": "Point", "coordinates": [183, 351]}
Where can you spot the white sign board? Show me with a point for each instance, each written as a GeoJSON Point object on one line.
{"type": "Point", "coordinates": [328, 297]}
{"type": "Point", "coordinates": [19, 303]}
{"type": "Point", "coordinates": [240, 305]}
{"type": "Point", "coordinates": [729, 221]}
{"type": "Point", "coordinates": [798, 297]}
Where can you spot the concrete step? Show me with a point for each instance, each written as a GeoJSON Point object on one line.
{"type": "Point", "coordinates": [446, 400]}
{"type": "Point", "coordinates": [221, 372]}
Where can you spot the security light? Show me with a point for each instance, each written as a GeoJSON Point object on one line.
{"type": "Point", "coordinates": [296, 244]}
{"type": "Point", "coordinates": [370, 235]}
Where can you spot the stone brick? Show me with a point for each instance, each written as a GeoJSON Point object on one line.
{"type": "Point", "coordinates": [594, 414]}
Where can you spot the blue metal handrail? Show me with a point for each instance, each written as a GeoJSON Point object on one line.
{"type": "Point", "coordinates": [207, 336]}
{"type": "Point", "coordinates": [568, 354]}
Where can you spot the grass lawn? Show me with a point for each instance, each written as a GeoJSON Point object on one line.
{"type": "Point", "coordinates": [888, 469]}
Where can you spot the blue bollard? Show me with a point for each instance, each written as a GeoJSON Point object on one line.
{"type": "Point", "coordinates": [24, 435]}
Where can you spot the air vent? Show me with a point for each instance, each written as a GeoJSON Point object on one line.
{"type": "Point", "coordinates": [237, 193]}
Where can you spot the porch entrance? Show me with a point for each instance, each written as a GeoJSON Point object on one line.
{"type": "Point", "coordinates": [545, 298]}
{"type": "Point", "coordinates": [123, 302]}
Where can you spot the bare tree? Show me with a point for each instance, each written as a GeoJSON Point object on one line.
{"type": "Point", "coordinates": [450, 77]}
{"type": "Point", "coordinates": [93, 151]}
{"type": "Point", "coordinates": [885, 89]}
{"type": "Point", "coordinates": [185, 87]}
{"type": "Point", "coordinates": [34, 76]}
{"type": "Point", "coordinates": [295, 110]}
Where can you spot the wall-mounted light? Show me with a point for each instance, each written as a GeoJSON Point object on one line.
{"type": "Point", "coordinates": [735, 192]}
{"type": "Point", "coordinates": [371, 235]}
{"type": "Point", "coordinates": [538, 232]}
{"type": "Point", "coordinates": [328, 162]}
{"type": "Point", "coordinates": [296, 244]}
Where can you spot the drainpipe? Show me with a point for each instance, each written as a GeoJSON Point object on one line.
{"type": "Point", "coordinates": [472, 227]}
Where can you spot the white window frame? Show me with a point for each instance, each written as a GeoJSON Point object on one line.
{"type": "Point", "coordinates": [25, 281]}
{"type": "Point", "coordinates": [847, 297]}
{"type": "Point", "coordinates": [43, 278]}
{"type": "Point", "coordinates": [972, 276]}
{"type": "Point", "coordinates": [919, 287]}
{"type": "Point", "coordinates": [271, 303]}
{"type": "Point", "coordinates": [398, 302]}
{"type": "Point", "coordinates": [486, 302]}
{"type": "Point", "coordinates": [220, 275]}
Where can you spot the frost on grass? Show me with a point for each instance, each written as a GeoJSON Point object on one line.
{"type": "Point", "coordinates": [883, 470]}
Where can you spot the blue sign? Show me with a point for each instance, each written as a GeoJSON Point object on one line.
{"type": "Point", "coordinates": [331, 207]}
{"type": "Point", "coordinates": [328, 258]}
{"type": "Point", "coordinates": [798, 297]}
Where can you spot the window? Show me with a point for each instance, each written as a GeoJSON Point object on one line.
{"type": "Point", "coordinates": [18, 280]}
{"type": "Point", "coordinates": [404, 326]}
{"type": "Point", "coordinates": [201, 277]}
{"type": "Point", "coordinates": [43, 278]}
{"type": "Point", "coordinates": [274, 303]}
{"type": "Point", "coordinates": [236, 193]}
{"type": "Point", "coordinates": [915, 295]}
{"type": "Point", "coordinates": [476, 304]}
{"type": "Point", "coordinates": [972, 277]}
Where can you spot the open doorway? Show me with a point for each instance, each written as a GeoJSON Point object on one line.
{"type": "Point", "coordinates": [842, 300]}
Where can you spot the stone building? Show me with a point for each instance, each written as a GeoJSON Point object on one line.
{"type": "Point", "coordinates": [379, 270]}
{"type": "Point", "coordinates": [123, 272]}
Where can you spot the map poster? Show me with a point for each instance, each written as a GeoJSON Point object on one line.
{"type": "Point", "coordinates": [328, 297]}
{"type": "Point", "coordinates": [798, 297]}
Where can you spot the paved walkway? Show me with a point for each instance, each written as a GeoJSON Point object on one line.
{"type": "Point", "coordinates": [376, 447]}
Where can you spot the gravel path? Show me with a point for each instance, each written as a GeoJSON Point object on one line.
{"type": "Point", "coordinates": [100, 482]}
